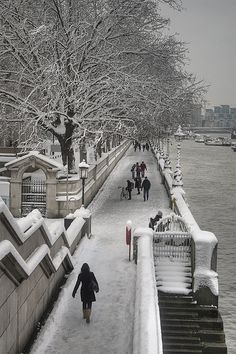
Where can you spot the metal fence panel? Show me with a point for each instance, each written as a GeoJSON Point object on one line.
{"type": "Point", "coordinates": [33, 196]}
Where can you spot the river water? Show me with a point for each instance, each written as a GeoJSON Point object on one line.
{"type": "Point", "coordinates": [209, 177]}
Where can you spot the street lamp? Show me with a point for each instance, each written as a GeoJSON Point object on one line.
{"type": "Point", "coordinates": [83, 167]}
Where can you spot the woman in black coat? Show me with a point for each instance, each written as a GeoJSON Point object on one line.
{"type": "Point", "coordinates": [89, 285]}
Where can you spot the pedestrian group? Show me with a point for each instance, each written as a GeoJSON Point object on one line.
{"type": "Point", "coordinates": [141, 182]}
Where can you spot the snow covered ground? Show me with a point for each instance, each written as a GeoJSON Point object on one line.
{"type": "Point", "coordinates": [111, 328]}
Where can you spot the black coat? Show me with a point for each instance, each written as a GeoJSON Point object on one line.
{"type": "Point", "coordinates": [86, 291]}
{"type": "Point", "coordinates": [129, 186]}
{"type": "Point", "coordinates": [146, 184]}
{"type": "Point", "coordinates": [138, 182]}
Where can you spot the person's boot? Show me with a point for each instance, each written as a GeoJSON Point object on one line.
{"type": "Point", "coordinates": [88, 313]}
{"type": "Point", "coordinates": [84, 314]}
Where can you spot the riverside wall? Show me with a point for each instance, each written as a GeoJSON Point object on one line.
{"type": "Point", "coordinates": [204, 243]}
{"type": "Point", "coordinates": [69, 193]}
{"type": "Point", "coordinates": [35, 257]}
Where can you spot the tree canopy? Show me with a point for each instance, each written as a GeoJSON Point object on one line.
{"type": "Point", "coordinates": [89, 69]}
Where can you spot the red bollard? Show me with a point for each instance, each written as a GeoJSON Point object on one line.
{"type": "Point", "coordinates": [128, 236]}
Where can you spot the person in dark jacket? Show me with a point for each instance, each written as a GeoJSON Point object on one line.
{"type": "Point", "coordinates": [89, 285]}
{"type": "Point", "coordinates": [129, 188]}
{"type": "Point", "coordinates": [154, 221]}
{"type": "Point", "coordinates": [137, 170]}
{"type": "Point", "coordinates": [133, 170]}
{"type": "Point", "coordinates": [138, 183]}
{"type": "Point", "coordinates": [143, 168]}
{"type": "Point", "coordinates": [146, 185]}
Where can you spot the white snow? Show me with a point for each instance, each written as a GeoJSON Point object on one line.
{"type": "Point", "coordinates": [147, 330]}
{"type": "Point", "coordinates": [112, 322]}
{"type": "Point", "coordinates": [44, 158]}
{"type": "Point", "coordinates": [118, 315]}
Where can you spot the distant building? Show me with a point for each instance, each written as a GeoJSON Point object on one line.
{"type": "Point", "coordinates": [195, 118]}
{"type": "Point", "coordinates": [220, 116]}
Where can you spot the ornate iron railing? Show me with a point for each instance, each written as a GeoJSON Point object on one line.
{"type": "Point", "coordinates": [172, 244]}
{"type": "Point", "coordinates": [33, 196]}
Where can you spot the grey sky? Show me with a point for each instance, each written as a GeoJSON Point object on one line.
{"type": "Point", "coordinates": [209, 29]}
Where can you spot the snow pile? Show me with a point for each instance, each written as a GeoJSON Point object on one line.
{"type": "Point", "coordinates": [82, 212]}
{"type": "Point", "coordinates": [204, 276]}
{"type": "Point", "coordinates": [74, 229]}
{"type": "Point", "coordinates": [55, 230]}
{"type": "Point", "coordinates": [26, 227]}
{"type": "Point", "coordinates": [6, 247]}
{"type": "Point", "coordinates": [171, 276]}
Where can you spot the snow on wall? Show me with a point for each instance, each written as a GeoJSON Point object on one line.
{"type": "Point", "coordinates": [26, 227]}
{"type": "Point", "coordinates": [205, 242]}
{"type": "Point", "coordinates": [147, 327]}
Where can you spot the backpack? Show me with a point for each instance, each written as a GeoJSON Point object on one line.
{"type": "Point", "coordinates": [132, 185]}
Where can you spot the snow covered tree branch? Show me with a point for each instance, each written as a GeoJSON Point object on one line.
{"type": "Point", "coordinates": [82, 69]}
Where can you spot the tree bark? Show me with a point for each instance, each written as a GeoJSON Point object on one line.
{"type": "Point", "coordinates": [67, 151]}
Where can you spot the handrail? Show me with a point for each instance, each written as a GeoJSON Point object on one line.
{"type": "Point", "coordinates": [204, 245]}
{"type": "Point", "coordinates": [147, 327]}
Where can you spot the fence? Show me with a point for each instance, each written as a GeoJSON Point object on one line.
{"type": "Point", "coordinates": [175, 245]}
{"type": "Point", "coordinates": [33, 196]}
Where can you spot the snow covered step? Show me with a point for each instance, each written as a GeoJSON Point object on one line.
{"type": "Point", "coordinates": [209, 311]}
{"type": "Point", "coordinates": [215, 348]}
{"type": "Point", "coordinates": [183, 346]}
{"type": "Point", "coordinates": [182, 339]}
{"type": "Point", "coordinates": [174, 299]}
{"type": "Point", "coordinates": [183, 351]}
{"type": "Point", "coordinates": [164, 276]}
{"type": "Point", "coordinates": [177, 314]}
{"type": "Point", "coordinates": [205, 323]}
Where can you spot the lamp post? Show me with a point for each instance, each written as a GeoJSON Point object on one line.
{"type": "Point", "coordinates": [83, 167]}
{"type": "Point", "coordinates": [178, 173]}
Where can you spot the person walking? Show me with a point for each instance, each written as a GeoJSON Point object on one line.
{"type": "Point", "coordinates": [138, 183]}
{"type": "Point", "coordinates": [129, 188]}
{"type": "Point", "coordinates": [143, 168]}
{"type": "Point", "coordinates": [137, 170]}
{"type": "Point", "coordinates": [133, 170]}
{"type": "Point", "coordinates": [154, 221]}
{"type": "Point", "coordinates": [89, 286]}
{"type": "Point", "coordinates": [146, 185]}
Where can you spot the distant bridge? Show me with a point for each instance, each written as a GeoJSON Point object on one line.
{"type": "Point", "coordinates": [211, 130]}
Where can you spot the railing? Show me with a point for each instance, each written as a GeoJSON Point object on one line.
{"type": "Point", "coordinates": [203, 244]}
{"type": "Point", "coordinates": [174, 245]}
{"type": "Point", "coordinates": [33, 196]}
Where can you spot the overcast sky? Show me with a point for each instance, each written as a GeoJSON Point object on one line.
{"type": "Point", "coordinates": [209, 29]}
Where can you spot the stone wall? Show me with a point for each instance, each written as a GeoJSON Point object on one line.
{"type": "Point", "coordinates": [33, 263]}
{"type": "Point", "coordinates": [97, 175]}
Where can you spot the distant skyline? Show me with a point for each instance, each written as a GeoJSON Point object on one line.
{"type": "Point", "coordinates": [208, 28]}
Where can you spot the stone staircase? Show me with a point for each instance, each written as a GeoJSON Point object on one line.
{"type": "Point", "coordinates": [188, 328]}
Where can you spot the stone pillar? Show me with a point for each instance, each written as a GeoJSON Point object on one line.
{"type": "Point", "coordinates": [52, 205]}
{"type": "Point", "coordinates": [15, 197]}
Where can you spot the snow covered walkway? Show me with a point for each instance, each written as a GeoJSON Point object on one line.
{"type": "Point", "coordinates": [111, 328]}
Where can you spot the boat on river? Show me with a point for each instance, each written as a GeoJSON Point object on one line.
{"type": "Point", "coordinates": [199, 139]}
{"type": "Point", "coordinates": [220, 141]}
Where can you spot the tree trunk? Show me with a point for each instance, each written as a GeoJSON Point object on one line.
{"type": "Point", "coordinates": [67, 151]}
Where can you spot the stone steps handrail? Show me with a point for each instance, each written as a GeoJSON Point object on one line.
{"type": "Point", "coordinates": [147, 328]}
